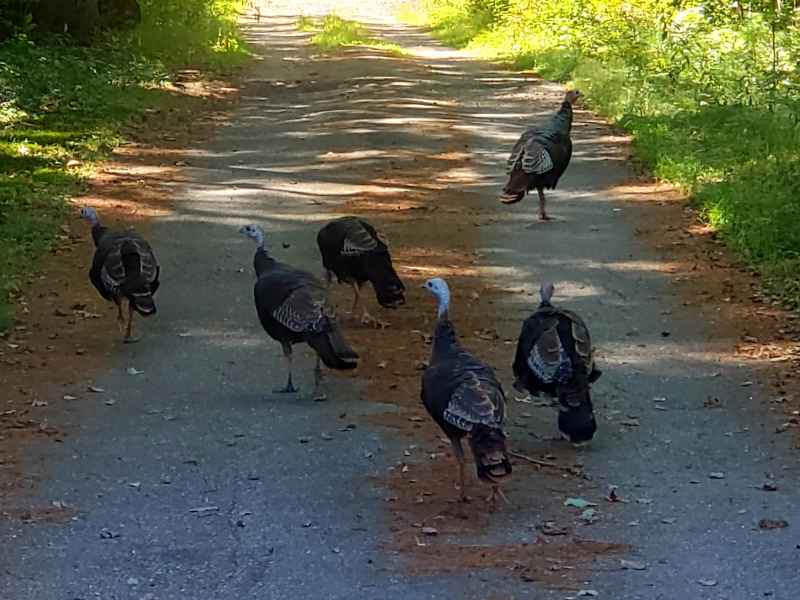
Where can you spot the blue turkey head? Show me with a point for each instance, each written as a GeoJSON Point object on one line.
{"type": "Point", "coordinates": [90, 214]}
{"type": "Point", "coordinates": [254, 232]}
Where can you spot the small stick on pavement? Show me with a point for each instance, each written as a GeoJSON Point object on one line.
{"type": "Point", "coordinates": [544, 463]}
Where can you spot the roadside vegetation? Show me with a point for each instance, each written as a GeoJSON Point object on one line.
{"type": "Point", "coordinates": [331, 33]}
{"type": "Point", "coordinates": [710, 93]}
{"type": "Point", "coordinates": [63, 106]}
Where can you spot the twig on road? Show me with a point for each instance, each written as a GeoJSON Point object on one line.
{"type": "Point", "coordinates": [544, 463]}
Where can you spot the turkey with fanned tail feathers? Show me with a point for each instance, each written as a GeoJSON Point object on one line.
{"type": "Point", "coordinates": [353, 250]}
{"type": "Point", "coordinates": [124, 267]}
{"type": "Point", "coordinates": [293, 308]}
{"type": "Point", "coordinates": [464, 397]}
{"type": "Point", "coordinates": [555, 356]}
{"type": "Point", "coordinates": [540, 157]}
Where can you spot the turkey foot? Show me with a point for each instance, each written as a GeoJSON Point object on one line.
{"type": "Point", "coordinates": [496, 491]}
{"type": "Point", "coordinates": [368, 319]}
{"type": "Point", "coordinates": [287, 389]}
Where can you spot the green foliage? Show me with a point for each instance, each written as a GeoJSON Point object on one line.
{"type": "Point", "coordinates": [62, 103]}
{"type": "Point", "coordinates": [333, 32]}
{"type": "Point", "coordinates": [191, 32]}
{"type": "Point", "coordinates": [711, 96]}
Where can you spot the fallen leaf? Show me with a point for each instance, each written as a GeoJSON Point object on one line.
{"type": "Point", "coordinates": [589, 516]}
{"type": "Point", "coordinates": [68, 397]}
{"type": "Point", "coordinates": [773, 524]}
{"type": "Point", "coordinates": [430, 531]}
{"type": "Point", "coordinates": [668, 520]}
{"type": "Point", "coordinates": [591, 593]}
{"type": "Point", "coordinates": [707, 582]}
{"type": "Point", "coordinates": [716, 475]}
{"type": "Point", "coordinates": [134, 371]}
{"type": "Point", "coordinates": [612, 495]}
{"type": "Point", "coordinates": [95, 389]}
{"type": "Point", "coordinates": [632, 565]}
{"type": "Point", "coordinates": [39, 403]}
{"type": "Point", "coordinates": [551, 528]}
{"type": "Point", "coordinates": [578, 503]}
{"type": "Point", "coordinates": [416, 419]}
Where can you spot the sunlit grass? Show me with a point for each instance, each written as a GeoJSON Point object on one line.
{"type": "Point", "coordinates": [333, 33]}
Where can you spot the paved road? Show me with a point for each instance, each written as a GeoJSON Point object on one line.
{"type": "Point", "coordinates": [199, 427]}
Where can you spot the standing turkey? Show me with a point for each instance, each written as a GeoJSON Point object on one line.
{"type": "Point", "coordinates": [540, 157]}
{"type": "Point", "coordinates": [124, 267]}
{"type": "Point", "coordinates": [353, 251]}
{"type": "Point", "coordinates": [293, 308]}
{"type": "Point", "coordinates": [463, 396]}
{"type": "Point", "coordinates": [555, 357]}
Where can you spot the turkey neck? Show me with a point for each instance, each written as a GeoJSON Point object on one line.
{"type": "Point", "coordinates": [262, 261]}
{"type": "Point", "coordinates": [444, 337]}
{"type": "Point", "coordinates": [98, 231]}
{"type": "Point", "coordinates": [562, 120]}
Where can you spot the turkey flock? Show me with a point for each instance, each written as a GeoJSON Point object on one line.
{"type": "Point", "coordinates": [462, 394]}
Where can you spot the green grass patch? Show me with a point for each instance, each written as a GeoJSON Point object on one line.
{"type": "Point", "coordinates": [333, 33]}
{"type": "Point", "coordinates": [60, 103]}
{"type": "Point", "coordinates": [698, 104]}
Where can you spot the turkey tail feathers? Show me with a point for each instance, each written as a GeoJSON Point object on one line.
{"type": "Point", "coordinates": [333, 349]}
{"type": "Point", "coordinates": [135, 286]}
{"type": "Point", "coordinates": [515, 188]}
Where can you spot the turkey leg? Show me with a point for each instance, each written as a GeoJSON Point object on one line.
{"type": "Point", "coordinates": [459, 454]}
{"type": "Point", "coordinates": [289, 387]}
{"type": "Point", "coordinates": [120, 318]}
{"type": "Point", "coordinates": [543, 216]}
{"type": "Point", "coordinates": [129, 339]}
{"type": "Point", "coordinates": [319, 396]}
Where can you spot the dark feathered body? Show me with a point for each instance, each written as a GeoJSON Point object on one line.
{"type": "Point", "coordinates": [292, 307]}
{"type": "Point", "coordinates": [124, 266]}
{"type": "Point", "coordinates": [352, 249]}
{"type": "Point", "coordinates": [540, 156]}
{"type": "Point", "coordinates": [464, 397]}
{"type": "Point", "coordinates": [555, 357]}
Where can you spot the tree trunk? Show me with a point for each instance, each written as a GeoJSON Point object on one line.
{"type": "Point", "coordinates": [79, 18]}
{"type": "Point", "coordinates": [119, 13]}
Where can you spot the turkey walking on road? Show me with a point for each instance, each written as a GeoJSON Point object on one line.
{"type": "Point", "coordinates": [353, 251]}
{"type": "Point", "coordinates": [555, 356]}
{"type": "Point", "coordinates": [293, 308]}
{"type": "Point", "coordinates": [124, 268]}
{"type": "Point", "coordinates": [540, 157]}
{"type": "Point", "coordinates": [463, 396]}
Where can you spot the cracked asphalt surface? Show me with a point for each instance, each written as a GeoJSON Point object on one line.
{"type": "Point", "coordinates": [195, 484]}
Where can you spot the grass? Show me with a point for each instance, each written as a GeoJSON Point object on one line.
{"type": "Point", "coordinates": [333, 33]}
{"type": "Point", "coordinates": [63, 107]}
{"type": "Point", "coordinates": [739, 162]}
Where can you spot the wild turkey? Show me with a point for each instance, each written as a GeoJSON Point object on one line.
{"type": "Point", "coordinates": [124, 268]}
{"type": "Point", "coordinates": [463, 396]}
{"type": "Point", "coordinates": [353, 251]}
{"type": "Point", "coordinates": [293, 308]}
{"type": "Point", "coordinates": [555, 357]}
{"type": "Point", "coordinates": [540, 157]}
